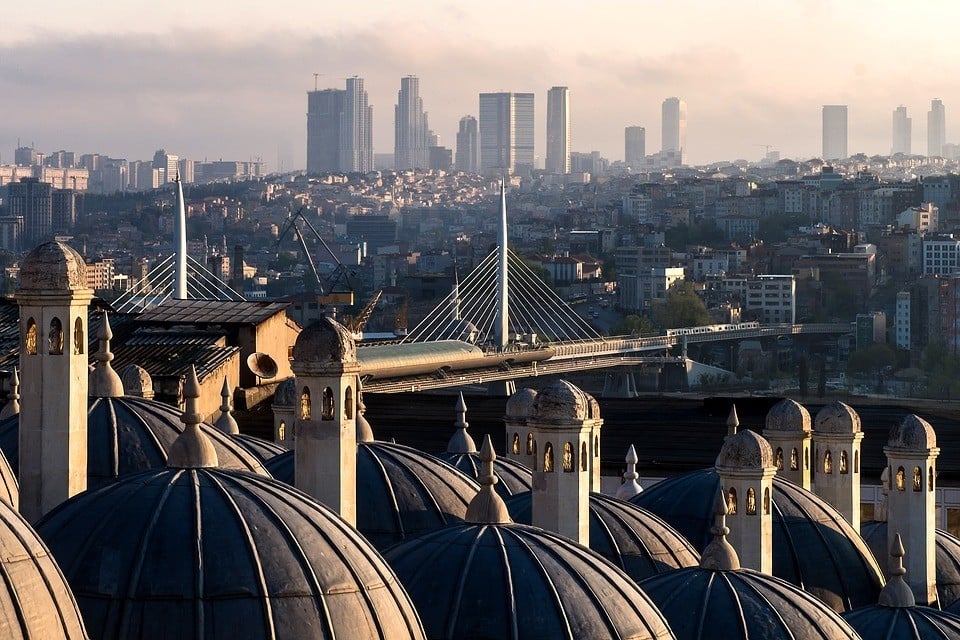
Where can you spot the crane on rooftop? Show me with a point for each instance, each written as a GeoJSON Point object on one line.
{"type": "Point", "coordinates": [337, 287]}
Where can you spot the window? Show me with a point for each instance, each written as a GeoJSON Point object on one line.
{"type": "Point", "coordinates": [30, 338]}
{"type": "Point", "coordinates": [516, 444]}
{"type": "Point", "coordinates": [548, 458]}
{"type": "Point", "coordinates": [530, 445]}
{"type": "Point", "coordinates": [778, 459]}
{"type": "Point", "coordinates": [732, 502]}
{"type": "Point", "coordinates": [806, 458]}
{"type": "Point", "coordinates": [794, 460]}
{"type": "Point", "coordinates": [766, 501]}
{"type": "Point", "coordinates": [856, 462]}
{"type": "Point", "coordinates": [326, 405]}
{"type": "Point", "coordinates": [930, 479]}
{"type": "Point", "coordinates": [282, 431]}
{"type": "Point", "coordinates": [901, 479]}
{"type": "Point", "coordinates": [55, 338]}
{"type": "Point", "coordinates": [827, 462]}
{"type": "Point", "coordinates": [305, 409]}
{"type": "Point", "coordinates": [844, 466]}
{"type": "Point", "coordinates": [917, 479]}
{"type": "Point", "coordinates": [596, 446]}
{"type": "Point", "coordinates": [567, 457]}
{"type": "Point", "coordinates": [348, 403]}
{"type": "Point", "coordinates": [751, 502]}
{"type": "Point", "coordinates": [583, 456]}
{"type": "Point", "coordinates": [78, 337]}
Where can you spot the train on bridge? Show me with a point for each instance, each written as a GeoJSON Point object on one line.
{"type": "Point", "coordinates": [712, 328]}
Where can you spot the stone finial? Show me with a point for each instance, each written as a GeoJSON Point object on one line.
{"type": "Point", "coordinates": [719, 555]}
{"type": "Point", "coordinates": [732, 421]}
{"type": "Point", "coordinates": [461, 442]}
{"type": "Point", "coordinates": [897, 593]}
{"type": "Point", "coordinates": [225, 422]}
{"type": "Point", "coordinates": [193, 448]}
{"type": "Point", "coordinates": [364, 430]}
{"type": "Point", "coordinates": [630, 486]}
{"type": "Point", "coordinates": [880, 514]}
{"type": "Point", "coordinates": [487, 507]}
{"type": "Point", "coordinates": [137, 382]}
{"type": "Point", "coordinates": [12, 407]}
{"type": "Point", "coordinates": [104, 381]}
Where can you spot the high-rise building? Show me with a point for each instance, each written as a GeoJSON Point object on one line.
{"type": "Point", "coordinates": [468, 145]}
{"type": "Point", "coordinates": [558, 130]}
{"type": "Point", "coordinates": [27, 157]}
{"type": "Point", "coordinates": [902, 126]}
{"type": "Point", "coordinates": [674, 128]}
{"type": "Point", "coordinates": [635, 146]}
{"type": "Point", "coordinates": [324, 110]}
{"type": "Point", "coordinates": [356, 129]}
{"type": "Point", "coordinates": [63, 210]}
{"type": "Point", "coordinates": [506, 132]}
{"type": "Point", "coordinates": [166, 163]}
{"type": "Point", "coordinates": [411, 145]}
{"type": "Point", "coordinates": [834, 131]}
{"type": "Point", "coordinates": [33, 200]}
{"type": "Point", "coordinates": [936, 128]}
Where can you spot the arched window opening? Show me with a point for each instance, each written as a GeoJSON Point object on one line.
{"type": "Point", "coordinates": [766, 501]}
{"type": "Point", "coordinates": [778, 459]}
{"type": "Point", "coordinates": [917, 479]}
{"type": "Point", "coordinates": [306, 411]}
{"type": "Point", "coordinates": [806, 459]}
{"type": "Point", "coordinates": [844, 463]}
{"type": "Point", "coordinates": [901, 479]}
{"type": "Point", "coordinates": [534, 454]}
{"type": "Point", "coordinates": [30, 338]}
{"type": "Point", "coordinates": [326, 404]}
{"type": "Point", "coordinates": [596, 446]}
{"type": "Point", "coordinates": [794, 460]}
{"type": "Point", "coordinates": [751, 502]}
{"type": "Point", "coordinates": [348, 403]}
{"type": "Point", "coordinates": [567, 457]}
{"type": "Point", "coordinates": [55, 338]}
{"type": "Point", "coordinates": [78, 337]}
{"type": "Point", "coordinates": [583, 456]}
{"type": "Point", "coordinates": [827, 462]}
{"type": "Point", "coordinates": [732, 502]}
{"type": "Point", "coordinates": [548, 458]}
{"type": "Point", "coordinates": [930, 479]}
{"type": "Point", "coordinates": [856, 462]}
{"type": "Point", "coordinates": [530, 448]}
{"type": "Point", "coordinates": [516, 444]}
{"type": "Point", "coordinates": [282, 431]}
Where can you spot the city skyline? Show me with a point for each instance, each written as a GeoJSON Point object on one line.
{"type": "Point", "coordinates": [223, 95]}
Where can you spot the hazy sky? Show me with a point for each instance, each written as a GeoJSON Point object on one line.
{"type": "Point", "coordinates": [228, 79]}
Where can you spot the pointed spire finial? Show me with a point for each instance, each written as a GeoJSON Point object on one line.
{"type": "Point", "coordinates": [732, 421]}
{"type": "Point", "coordinates": [630, 486]}
{"type": "Point", "coordinates": [487, 507]}
{"type": "Point", "coordinates": [364, 430]}
{"type": "Point", "coordinates": [720, 554]}
{"type": "Point", "coordinates": [192, 449]}
{"type": "Point", "coordinates": [461, 441]}
{"type": "Point", "coordinates": [104, 382]}
{"type": "Point", "coordinates": [897, 593]}
{"type": "Point", "coordinates": [226, 422]}
{"type": "Point", "coordinates": [12, 407]}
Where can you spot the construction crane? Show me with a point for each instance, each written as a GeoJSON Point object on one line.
{"type": "Point", "coordinates": [359, 321]}
{"type": "Point", "coordinates": [337, 288]}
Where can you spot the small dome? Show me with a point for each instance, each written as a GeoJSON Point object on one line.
{"type": "Point", "coordinates": [561, 403]}
{"type": "Point", "coordinates": [262, 449]}
{"type": "Point", "coordinates": [285, 394]}
{"type": "Point", "coordinates": [136, 381]}
{"type": "Point", "coordinates": [221, 554]}
{"type": "Point", "coordinates": [745, 450]}
{"type": "Point", "coordinates": [521, 404]}
{"type": "Point", "coordinates": [704, 604]}
{"type": "Point", "coordinates": [837, 418]}
{"type": "Point", "coordinates": [632, 538]}
{"type": "Point", "coordinates": [53, 266]}
{"type": "Point", "coordinates": [788, 416]}
{"type": "Point", "coordinates": [36, 601]}
{"type": "Point", "coordinates": [401, 492]}
{"type": "Point", "coordinates": [512, 477]}
{"type": "Point", "coordinates": [127, 434]}
{"type": "Point", "coordinates": [325, 341]}
{"type": "Point", "coordinates": [912, 433]}
{"type": "Point", "coordinates": [904, 623]}
{"type": "Point", "coordinates": [517, 581]}
{"type": "Point", "coordinates": [814, 547]}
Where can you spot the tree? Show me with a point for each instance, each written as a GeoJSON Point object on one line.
{"type": "Point", "coordinates": [633, 325]}
{"type": "Point", "coordinates": [871, 359]}
{"type": "Point", "coordinates": [682, 308]}
{"type": "Point", "coordinates": [822, 379]}
{"type": "Point", "coordinates": [803, 374]}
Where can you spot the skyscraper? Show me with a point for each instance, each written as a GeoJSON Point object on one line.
{"type": "Point", "coordinates": [558, 130]}
{"type": "Point", "coordinates": [674, 128]}
{"type": "Point", "coordinates": [324, 110]}
{"type": "Point", "coordinates": [902, 126]}
{"type": "Point", "coordinates": [936, 128]}
{"type": "Point", "coordinates": [635, 146]}
{"type": "Point", "coordinates": [166, 163]}
{"type": "Point", "coordinates": [356, 128]}
{"type": "Point", "coordinates": [468, 150]}
{"type": "Point", "coordinates": [411, 144]}
{"type": "Point", "coordinates": [506, 132]}
{"type": "Point", "coordinates": [834, 131]}
{"type": "Point", "coordinates": [33, 200]}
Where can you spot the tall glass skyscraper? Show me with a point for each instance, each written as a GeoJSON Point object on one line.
{"type": "Point", "coordinates": [506, 132]}
{"type": "Point", "coordinates": [324, 110]}
{"type": "Point", "coordinates": [936, 128]}
{"type": "Point", "coordinates": [468, 145]}
{"type": "Point", "coordinates": [356, 129]}
{"type": "Point", "coordinates": [411, 145]}
{"type": "Point", "coordinates": [834, 131]}
{"type": "Point", "coordinates": [674, 128]}
{"type": "Point", "coordinates": [558, 130]}
{"type": "Point", "coordinates": [634, 146]}
{"type": "Point", "coordinates": [902, 126]}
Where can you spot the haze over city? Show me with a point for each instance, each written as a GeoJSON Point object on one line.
{"type": "Point", "coordinates": [229, 79]}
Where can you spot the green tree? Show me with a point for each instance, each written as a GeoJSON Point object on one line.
{"type": "Point", "coordinates": [871, 359]}
{"type": "Point", "coordinates": [682, 308]}
{"type": "Point", "coordinates": [633, 325]}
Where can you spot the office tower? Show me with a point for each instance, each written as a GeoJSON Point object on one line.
{"type": "Point", "coordinates": [187, 169]}
{"type": "Point", "coordinates": [356, 129]}
{"type": "Point", "coordinates": [166, 163]}
{"type": "Point", "coordinates": [27, 157]}
{"type": "Point", "coordinates": [324, 110]}
{"type": "Point", "coordinates": [468, 150]}
{"type": "Point", "coordinates": [635, 146]}
{"type": "Point", "coordinates": [834, 131]}
{"type": "Point", "coordinates": [936, 128]}
{"type": "Point", "coordinates": [674, 129]}
{"type": "Point", "coordinates": [558, 130]}
{"type": "Point", "coordinates": [506, 132]}
{"type": "Point", "coordinates": [33, 200]}
{"type": "Point", "coordinates": [902, 126]}
{"type": "Point", "coordinates": [411, 143]}
{"type": "Point", "coordinates": [63, 210]}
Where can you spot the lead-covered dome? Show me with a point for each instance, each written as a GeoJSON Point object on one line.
{"type": "Point", "coordinates": [401, 492]}
{"type": "Point", "coordinates": [904, 623]}
{"type": "Point", "coordinates": [814, 547]}
{"type": "Point", "coordinates": [788, 416]}
{"type": "Point", "coordinates": [205, 552]}
{"type": "Point", "coordinates": [517, 581]}
{"type": "Point", "coordinates": [635, 540]}
{"type": "Point", "coordinates": [520, 405]}
{"type": "Point", "coordinates": [745, 450]}
{"type": "Point", "coordinates": [53, 266]}
{"type": "Point", "coordinates": [512, 477]}
{"type": "Point", "coordinates": [837, 418]}
{"type": "Point", "coordinates": [912, 433]}
{"type": "Point", "coordinates": [561, 402]}
{"type": "Point", "coordinates": [262, 449]}
{"type": "Point", "coordinates": [285, 394]}
{"type": "Point", "coordinates": [9, 487]}
{"type": "Point", "coordinates": [325, 341]}
{"type": "Point", "coordinates": [127, 434]}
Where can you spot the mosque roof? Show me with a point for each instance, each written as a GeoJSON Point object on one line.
{"type": "Point", "coordinates": [513, 477]}
{"type": "Point", "coordinates": [904, 623]}
{"type": "Point", "coordinates": [264, 450]}
{"type": "Point", "coordinates": [788, 416]}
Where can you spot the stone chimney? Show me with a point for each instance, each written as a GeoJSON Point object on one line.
{"type": "Point", "coordinates": [836, 440]}
{"type": "Point", "coordinates": [787, 429]}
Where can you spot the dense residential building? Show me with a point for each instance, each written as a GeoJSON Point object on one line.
{"type": "Point", "coordinates": [32, 200]}
{"type": "Point", "coordinates": [324, 113]}
{"type": "Point", "coordinates": [834, 131]}
{"type": "Point", "coordinates": [440, 158]}
{"type": "Point", "coordinates": [356, 129]}
{"type": "Point", "coordinates": [902, 321]}
{"type": "Point", "coordinates": [923, 219]}
{"type": "Point", "coordinates": [638, 288]}
{"type": "Point", "coordinates": [902, 126]}
{"type": "Point", "coordinates": [941, 255]}
{"type": "Point", "coordinates": [558, 130]}
{"type": "Point", "coordinates": [468, 145]}
{"type": "Point", "coordinates": [674, 129]}
{"type": "Point", "coordinates": [411, 142]}
{"type": "Point", "coordinates": [166, 164]}
{"type": "Point", "coordinates": [635, 146]}
{"type": "Point", "coordinates": [506, 132]}
{"type": "Point", "coordinates": [936, 128]}
{"type": "Point", "coordinates": [773, 298]}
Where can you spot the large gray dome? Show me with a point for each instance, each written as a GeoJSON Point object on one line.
{"type": "Point", "coordinates": [325, 341]}
{"type": "Point", "coordinates": [189, 553]}
{"type": "Point", "coordinates": [512, 477]}
{"type": "Point", "coordinates": [53, 266]}
{"type": "Point", "coordinates": [127, 434]}
{"type": "Point", "coordinates": [516, 581]}
{"type": "Point", "coordinates": [401, 492]}
{"type": "Point", "coordinates": [813, 545]}
{"type": "Point", "coordinates": [904, 623]}
{"type": "Point", "coordinates": [632, 538]}
{"type": "Point", "coordinates": [261, 449]}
